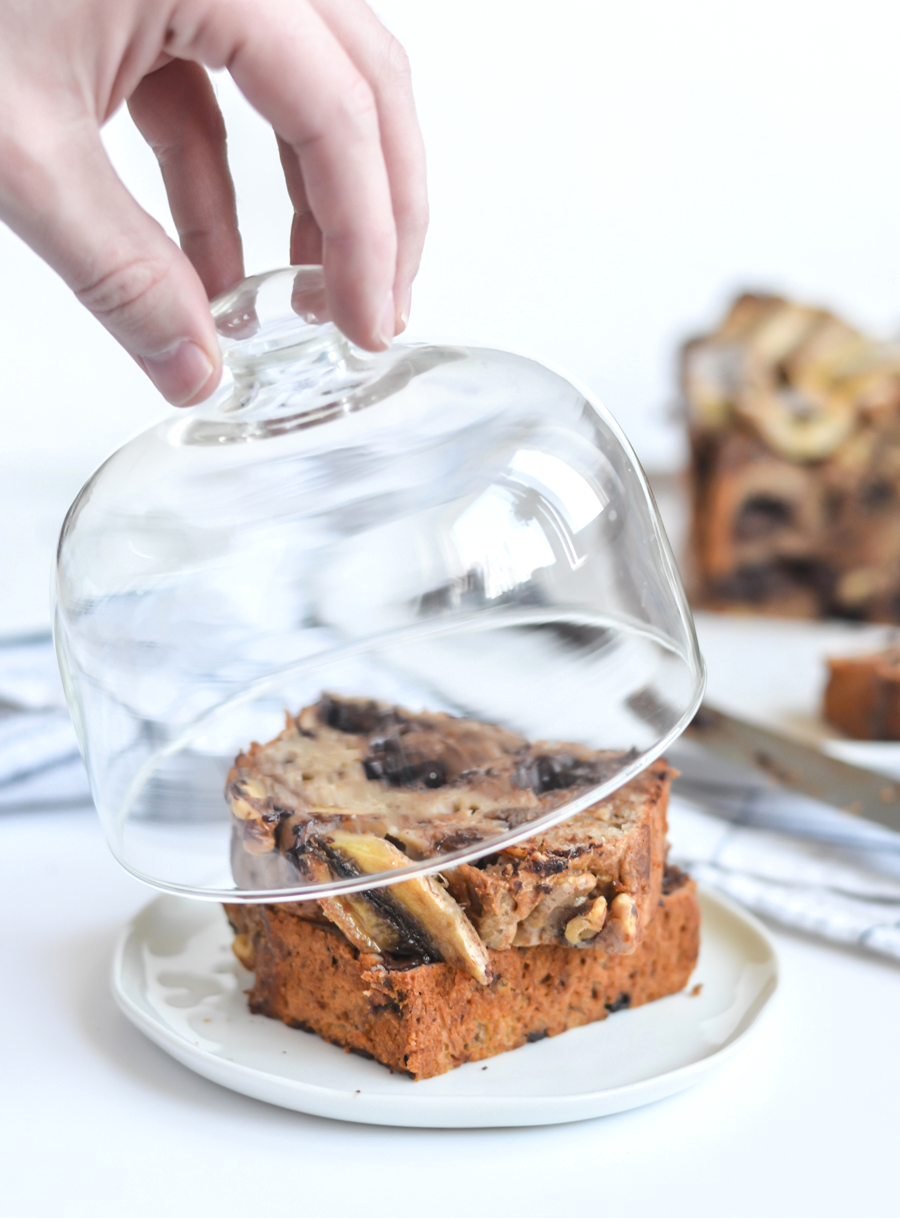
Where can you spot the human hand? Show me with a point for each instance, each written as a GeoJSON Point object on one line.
{"type": "Point", "coordinates": [326, 74]}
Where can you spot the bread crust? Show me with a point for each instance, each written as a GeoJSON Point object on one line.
{"type": "Point", "coordinates": [862, 696]}
{"type": "Point", "coordinates": [427, 1019]}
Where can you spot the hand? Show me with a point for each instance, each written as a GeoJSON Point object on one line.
{"type": "Point", "coordinates": [326, 74]}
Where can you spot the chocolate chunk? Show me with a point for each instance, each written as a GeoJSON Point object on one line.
{"type": "Point", "coordinates": [456, 841]}
{"type": "Point", "coordinates": [762, 515]}
{"type": "Point", "coordinates": [389, 762]}
{"type": "Point", "coordinates": [374, 768]}
{"type": "Point", "coordinates": [431, 773]}
{"type": "Point", "coordinates": [623, 1001]}
{"type": "Point", "coordinates": [557, 773]}
{"type": "Point", "coordinates": [673, 879]}
{"type": "Point", "coordinates": [356, 715]}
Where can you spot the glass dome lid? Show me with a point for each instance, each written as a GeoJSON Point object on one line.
{"type": "Point", "coordinates": [361, 618]}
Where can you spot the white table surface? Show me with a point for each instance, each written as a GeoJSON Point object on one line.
{"type": "Point", "coordinates": [98, 1121]}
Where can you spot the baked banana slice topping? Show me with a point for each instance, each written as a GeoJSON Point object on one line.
{"type": "Point", "coordinates": [415, 917]}
{"type": "Point", "coordinates": [800, 426]}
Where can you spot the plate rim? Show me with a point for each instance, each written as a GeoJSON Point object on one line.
{"type": "Point", "coordinates": [421, 1110]}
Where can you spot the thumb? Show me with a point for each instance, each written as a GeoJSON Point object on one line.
{"type": "Point", "coordinates": [73, 210]}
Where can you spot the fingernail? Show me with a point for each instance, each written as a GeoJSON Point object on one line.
{"type": "Point", "coordinates": [388, 321]}
{"type": "Point", "coordinates": [404, 312]}
{"type": "Point", "coordinates": [179, 372]}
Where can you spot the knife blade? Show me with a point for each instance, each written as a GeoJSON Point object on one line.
{"type": "Point", "coordinates": [799, 767]}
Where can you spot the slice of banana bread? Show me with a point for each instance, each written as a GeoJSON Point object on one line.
{"type": "Point", "coordinates": [862, 696]}
{"type": "Point", "coordinates": [353, 787]}
{"type": "Point", "coordinates": [427, 1018]}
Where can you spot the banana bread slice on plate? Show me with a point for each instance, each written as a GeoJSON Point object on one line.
{"type": "Point", "coordinates": [175, 977]}
{"type": "Point", "coordinates": [433, 971]}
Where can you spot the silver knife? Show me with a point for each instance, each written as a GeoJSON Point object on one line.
{"type": "Point", "coordinates": [799, 767]}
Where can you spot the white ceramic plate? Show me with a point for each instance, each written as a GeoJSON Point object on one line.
{"type": "Point", "coordinates": [176, 979]}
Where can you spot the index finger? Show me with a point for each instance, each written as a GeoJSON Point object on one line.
{"type": "Point", "coordinates": [383, 62]}
{"type": "Point", "coordinates": [291, 67]}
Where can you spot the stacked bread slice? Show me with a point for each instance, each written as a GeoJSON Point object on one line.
{"type": "Point", "coordinates": [558, 931]}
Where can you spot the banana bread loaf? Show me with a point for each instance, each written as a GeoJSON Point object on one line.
{"type": "Point", "coordinates": [794, 421]}
{"type": "Point", "coordinates": [353, 787]}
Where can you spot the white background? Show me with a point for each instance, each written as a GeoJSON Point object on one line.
{"type": "Point", "coordinates": [603, 176]}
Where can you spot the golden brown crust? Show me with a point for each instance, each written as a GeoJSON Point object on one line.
{"type": "Point", "coordinates": [428, 1019]}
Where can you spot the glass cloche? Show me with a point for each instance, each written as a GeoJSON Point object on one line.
{"type": "Point", "coordinates": [440, 529]}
